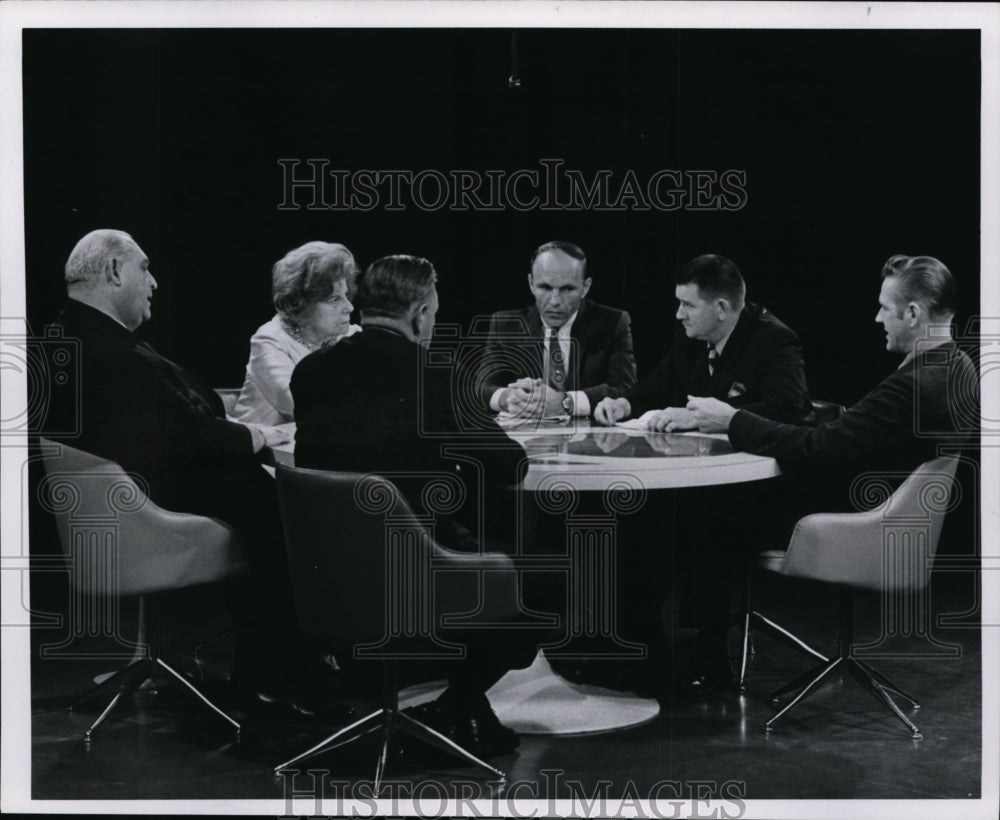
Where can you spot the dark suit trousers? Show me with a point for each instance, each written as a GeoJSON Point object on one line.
{"type": "Point", "coordinates": [261, 603]}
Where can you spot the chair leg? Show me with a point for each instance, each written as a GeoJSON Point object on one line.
{"type": "Point", "coordinates": [878, 691]}
{"type": "Point", "coordinates": [746, 649]}
{"type": "Point", "coordinates": [212, 639]}
{"type": "Point", "coordinates": [885, 683]}
{"type": "Point", "coordinates": [137, 674]}
{"type": "Point", "coordinates": [809, 687]}
{"type": "Point", "coordinates": [439, 741]}
{"type": "Point", "coordinates": [798, 683]}
{"type": "Point", "coordinates": [189, 687]}
{"type": "Point", "coordinates": [115, 681]}
{"type": "Point", "coordinates": [779, 633]}
{"type": "Point", "coordinates": [369, 723]}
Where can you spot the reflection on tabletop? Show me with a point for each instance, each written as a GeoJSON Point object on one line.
{"type": "Point", "coordinates": [619, 444]}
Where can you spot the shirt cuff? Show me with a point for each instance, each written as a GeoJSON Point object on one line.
{"type": "Point", "coordinates": [495, 399]}
{"type": "Point", "coordinates": [257, 435]}
{"type": "Point", "coordinates": [581, 404]}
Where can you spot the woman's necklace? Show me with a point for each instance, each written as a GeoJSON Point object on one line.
{"type": "Point", "coordinates": [296, 333]}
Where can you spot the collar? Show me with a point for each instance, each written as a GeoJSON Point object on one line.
{"type": "Point", "coordinates": [719, 345]}
{"type": "Point", "coordinates": [566, 330]}
{"type": "Point", "coordinates": [89, 308]}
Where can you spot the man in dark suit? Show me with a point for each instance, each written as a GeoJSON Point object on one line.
{"type": "Point", "coordinates": [161, 423]}
{"type": "Point", "coordinates": [563, 354]}
{"type": "Point", "coordinates": [370, 403]}
{"type": "Point", "coordinates": [931, 398]}
{"type": "Point", "coordinates": [741, 352]}
{"type": "Point", "coordinates": [725, 347]}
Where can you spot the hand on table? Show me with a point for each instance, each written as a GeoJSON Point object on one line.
{"type": "Point", "coordinates": [712, 415]}
{"type": "Point", "coordinates": [609, 410]}
{"type": "Point", "coordinates": [672, 419]}
{"type": "Point", "coordinates": [531, 398]}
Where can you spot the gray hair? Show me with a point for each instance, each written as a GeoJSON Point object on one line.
{"type": "Point", "coordinates": [393, 284]}
{"type": "Point", "coordinates": [307, 274]}
{"type": "Point", "coordinates": [923, 279]}
{"type": "Point", "coordinates": [87, 258]}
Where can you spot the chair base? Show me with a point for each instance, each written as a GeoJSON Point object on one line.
{"type": "Point", "coordinates": [390, 721]}
{"type": "Point", "coordinates": [755, 620]}
{"type": "Point", "coordinates": [873, 681]}
{"type": "Point", "coordinates": [134, 676]}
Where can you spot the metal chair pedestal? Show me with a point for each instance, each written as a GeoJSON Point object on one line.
{"type": "Point", "coordinates": [391, 722]}
{"type": "Point", "coordinates": [880, 687]}
{"type": "Point", "coordinates": [148, 668]}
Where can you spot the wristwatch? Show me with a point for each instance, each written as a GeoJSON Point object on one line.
{"type": "Point", "coordinates": [567, 404]}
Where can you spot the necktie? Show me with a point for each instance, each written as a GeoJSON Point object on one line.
{"type": "Point", "coordinates": [557, 362]}
{"type": "Point", "coordinates": [713, 357]}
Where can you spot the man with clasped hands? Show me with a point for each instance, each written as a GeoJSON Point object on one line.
{"type": "Point", "coordinates": [563, 354]}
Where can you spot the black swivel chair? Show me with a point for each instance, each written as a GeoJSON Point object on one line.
{"type": "Point", "coordinates": [369, 579]}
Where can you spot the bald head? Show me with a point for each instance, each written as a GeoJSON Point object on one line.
{"type": "Point", "coordinates": [109, 271]}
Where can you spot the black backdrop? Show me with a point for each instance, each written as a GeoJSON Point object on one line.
{"type": "Point", "coordinates": [856, 145]}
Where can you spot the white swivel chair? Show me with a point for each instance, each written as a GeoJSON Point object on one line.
{"type": "Point", "coordinates": [888, 549]}
{"type": "Point", "coordinates": [118, 543]}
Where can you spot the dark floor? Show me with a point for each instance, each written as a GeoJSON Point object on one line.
{"type": "Point", "coordinates": [840, 744]}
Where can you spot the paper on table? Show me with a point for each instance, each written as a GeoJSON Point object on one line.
{"type": "Point", "coordinates": [639, 423]}
{"type": "Point", "coordinates": [505, 419]}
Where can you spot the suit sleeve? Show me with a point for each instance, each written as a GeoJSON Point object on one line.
{"type": "Point", "coordinates": [492, 373]}
{"type": "Point", "coordinates": [160, 424]}
{"type": "Point", "coordinates": [780, 391]}
{"type": "Point", "coordinates": [881, 421]}
{"type": "Point", "coordinates": [620, 374]}
{"type": "Point", "coordinates": [654, 391]}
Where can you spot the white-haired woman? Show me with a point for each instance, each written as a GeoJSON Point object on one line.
{"type": "Point", "coordinates": [312, 288]}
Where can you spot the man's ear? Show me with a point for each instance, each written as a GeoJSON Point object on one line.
{"type": "Point", "coordinates": [417, 318]}
{"type": "Point", "coordinates": [586, 286]}
{"type": "Point", "coordinates": [722, 307]}
{"type": "Point", "coordinates": [531, 280]}
{"type": "Point", "coordinates": [112, 274]}
{"type": "Point", "coordinates": [913, 311]}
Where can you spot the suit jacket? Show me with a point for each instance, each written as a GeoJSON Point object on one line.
{"type": "Point", "coordinates": [368, 404]}
{"type": "Point", "coordinates": [760, 369]}
{"type": "Point", "coordinates": [932, 397]}
{"type": "Point", "coordinates": [138, 408]}
{"type": "Point", "coordinates": [601, 361]}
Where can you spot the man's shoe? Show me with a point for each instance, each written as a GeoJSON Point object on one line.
{"type": "Point", "coordinates": [484, 735]}
{"type": "Point", "coordinates": [478, 731]}
{"type": "Point", "coordinates": [697, 683]}
{"type": "Point", "coordinates": [303, 707]}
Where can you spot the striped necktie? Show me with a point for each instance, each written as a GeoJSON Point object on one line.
{"type": "Point", "coordinates": [713, 357]}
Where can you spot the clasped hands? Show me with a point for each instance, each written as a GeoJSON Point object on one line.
{"type": "Point", "coordinates": [701, 413]}
{"type": "Point", "coordinates": [533, 398]}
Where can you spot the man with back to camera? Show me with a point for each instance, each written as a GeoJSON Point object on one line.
{"type": "Point", "coordinates": [732, 349]}
{"type": "Point", "coordinates": [378, 424]}
{"type": "Point", "coordinates": [564, 353]}
{"type": "Point", "coordinates": [160, 422]}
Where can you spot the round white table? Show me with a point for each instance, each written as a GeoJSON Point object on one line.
{"type": "Point", "coordinates": [586, 457]}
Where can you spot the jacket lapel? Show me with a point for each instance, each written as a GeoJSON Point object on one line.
{"type": "Point", "coordinates": [536, 332]}
{"type": "Point", "coordinates": [725, 369]}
